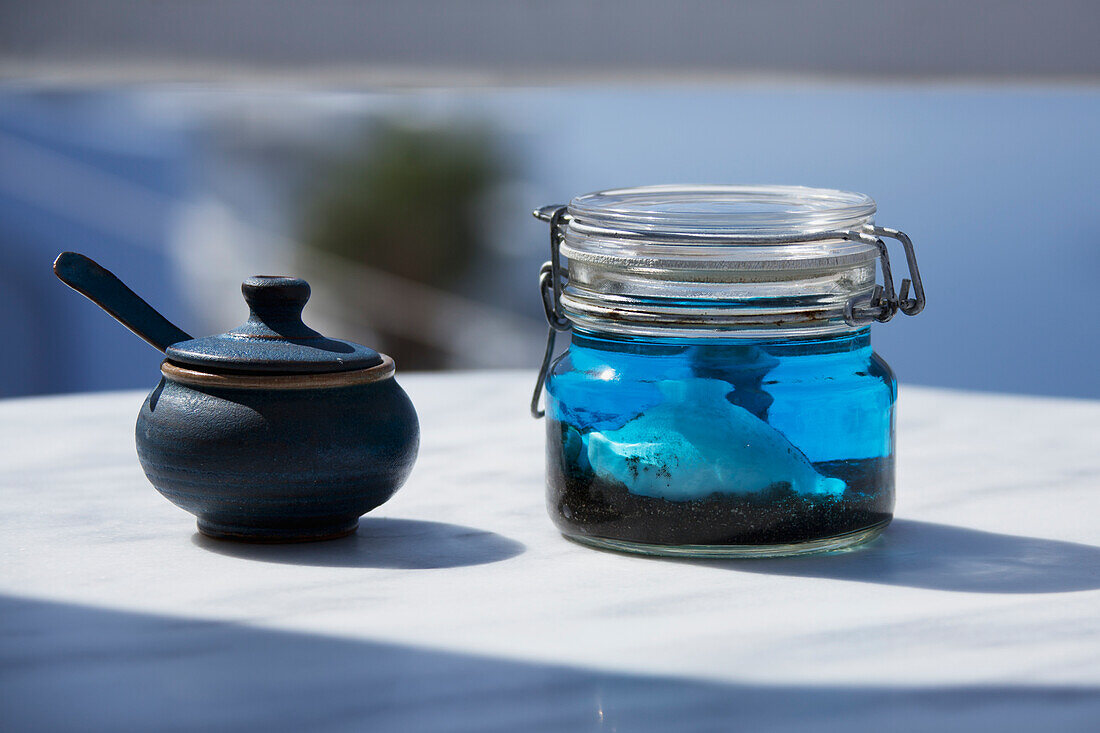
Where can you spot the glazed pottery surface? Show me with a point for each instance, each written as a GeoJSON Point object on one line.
{"type": "Point", "coordinates": [277, 465]}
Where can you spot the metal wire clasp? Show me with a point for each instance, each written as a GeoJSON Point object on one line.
{"type": "Point", "coordinates": [550, 285]}
{"type": "Point", "coordinates": [884, 303]}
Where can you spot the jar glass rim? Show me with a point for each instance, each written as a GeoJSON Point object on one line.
{"type": "Point", "coordinates": [721, 211]}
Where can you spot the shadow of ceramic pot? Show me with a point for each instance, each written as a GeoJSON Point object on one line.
{"type": "Point", "coordinates": [407, 544]}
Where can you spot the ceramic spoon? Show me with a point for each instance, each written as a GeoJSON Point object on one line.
{"type": "Point", "coordinates": [101, 287]}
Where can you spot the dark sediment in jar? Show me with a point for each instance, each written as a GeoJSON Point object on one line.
{"type": "Point", "coordinates": [583, 503]}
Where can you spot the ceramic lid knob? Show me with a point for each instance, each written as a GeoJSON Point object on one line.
{"type": "Point", "coordinates": [275, 306]}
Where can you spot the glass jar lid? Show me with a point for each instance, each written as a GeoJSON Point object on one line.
{"type": "Point", "coordinates": [722, 213]}
{"type": "Point", "coordinates": [726, 261]}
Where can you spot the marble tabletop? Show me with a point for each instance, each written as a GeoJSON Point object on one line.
{"type": "Point", "coordinates": [457, 607]}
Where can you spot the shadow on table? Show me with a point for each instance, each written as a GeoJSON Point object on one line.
{"type": "Point", "coordinates": [69, 667]}
{"type": "Point", "coordinates": [408, 544]}
{"type": "Point", "coordinates": [945, 557]}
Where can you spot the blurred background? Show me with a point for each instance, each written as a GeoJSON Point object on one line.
{"type": "Point", "coordinates": [391, 153]}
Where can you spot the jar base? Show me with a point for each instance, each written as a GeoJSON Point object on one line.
{"type": "Point", "coordinates": [846, 541]}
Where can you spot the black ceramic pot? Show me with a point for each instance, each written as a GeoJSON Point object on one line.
{"type": "Point", "coordinates": [288, 463]}
{"type": "Point", "coordinates": [271, 432]}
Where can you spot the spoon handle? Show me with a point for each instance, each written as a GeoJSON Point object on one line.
{"type": "Point", "coordinates": [86, 277]}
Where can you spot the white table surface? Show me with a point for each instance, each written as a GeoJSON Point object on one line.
{"type": "Point", "coordinates": [457, 607]}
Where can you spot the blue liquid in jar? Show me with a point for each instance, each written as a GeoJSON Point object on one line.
{"type": "Point", "coordinates": [702, 442]}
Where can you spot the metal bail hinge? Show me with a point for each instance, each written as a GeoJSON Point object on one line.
{"type": "Point", "coordinates": [550, 287]}
{"type": "Point", "coordinates": [883, 302]}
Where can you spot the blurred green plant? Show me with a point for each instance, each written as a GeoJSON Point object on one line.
{"type": "Point", "coordinates": [406, 201]}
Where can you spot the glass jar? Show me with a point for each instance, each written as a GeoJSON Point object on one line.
{"type": "Point", "coordinates": [719, 396]}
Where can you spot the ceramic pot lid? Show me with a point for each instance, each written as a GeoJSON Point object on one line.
{"type": "Point", "coordinates": [274, 339]}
